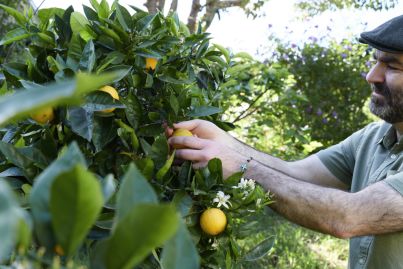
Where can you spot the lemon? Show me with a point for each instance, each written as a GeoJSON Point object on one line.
{"type": "Point", "coordinates": [44, 115]}
{"type": "Point", "coordinates": [180, 132]}
{"type": "Point", "coordinates": [59, 250]}
{"type": "Point", "coordinates": [151, 63]}
{"type": "Point", "coordinates": [112, 92]}
{"type": "Point", "coordinates": [213, 221]}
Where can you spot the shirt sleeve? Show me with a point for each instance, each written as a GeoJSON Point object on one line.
{"type": "Point", "coordinates": [340, 158]}
{"type": "Point", "coordinates": [396, 182]}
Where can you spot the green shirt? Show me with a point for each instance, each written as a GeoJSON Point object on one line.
{"type": "Point", "coordinates": [368, 156]}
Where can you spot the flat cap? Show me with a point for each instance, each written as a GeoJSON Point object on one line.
{"type": "Point", "coordinates": [387, 37]}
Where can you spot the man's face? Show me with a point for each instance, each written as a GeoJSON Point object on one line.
{"type": "Point", "coordinates": [386, 80]}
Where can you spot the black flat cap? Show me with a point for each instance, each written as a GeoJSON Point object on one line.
{"type": "Point", "coordinates": [387, 37]}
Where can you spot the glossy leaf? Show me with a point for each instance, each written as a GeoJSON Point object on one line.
{"type": "Point", "coordinates": [145, 227]}
{"type": "Point", "coordinates": [40, 193]}
{"type": "Point", "coordinates": [75, 202]}
{"type": "Point", "coordinates": [180, 251]}
{"type": "Point", "coordinates": [14, 35]}
{"type": "Point", "coordinates": [134, 190]}
{"type": "Point", "coordinates": [23, 102]}
{"type": "Point", "coordinates": [260, 250]}
{"type": "Point", "coordinates": [203, 111]}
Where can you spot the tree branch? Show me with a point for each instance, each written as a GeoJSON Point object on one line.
{"type": "Point", "coordinates": [161, 5]}
{"type": "Point", "coordinates": [151, 6]}
{"type": "Point", "coordinates": [240, 116]}
{"type": "Point", "coordinates": [174, 6]}
{"type": "Point", "coordinates": [230, 3]}
{"type": "Point", "coordinates": [194, 12]}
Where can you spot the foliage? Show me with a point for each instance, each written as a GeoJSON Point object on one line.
{"type": "Point", "coordinates": [319, 6]}
{"type": "Point", "coordinates": [101, 186]}
{"type": "Point", "coordinates": [8, 23]}
{"type": "Point", "coordinates": [332, 79]}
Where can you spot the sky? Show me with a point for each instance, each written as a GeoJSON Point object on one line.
{"type": "Point", "coordinates": [278, 17]}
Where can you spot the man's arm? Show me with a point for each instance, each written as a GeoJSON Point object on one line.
{"type": "Point", "coordinates": [376, 209]}
{"type": "Point", "coordinates": [309, 169]}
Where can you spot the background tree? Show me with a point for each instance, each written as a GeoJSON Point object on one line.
{"type": "Point", "coordinates": [313, 7]}
{"type": "Point", "coordinates": [206, 12]}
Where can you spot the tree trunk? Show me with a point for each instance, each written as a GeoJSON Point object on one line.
{"type": "Point", "coordinates": [174, 6]}
{"type": "Point", "coordinates": [151, 6]}
{"type": "Point", "coordinates": [161, 5]}
{"type": "Point", "coordinates": [194, 12]}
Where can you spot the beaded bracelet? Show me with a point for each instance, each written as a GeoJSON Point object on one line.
{"type": "Point", "coordinates": [244, 166]}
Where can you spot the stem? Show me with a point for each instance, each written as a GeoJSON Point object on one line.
{"type": "Point", "coordinates": [250, 105]}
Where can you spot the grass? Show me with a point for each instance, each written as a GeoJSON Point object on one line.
{"type": "Point", "coordinates": [298, 248]}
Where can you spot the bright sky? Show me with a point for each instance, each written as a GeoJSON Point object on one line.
{"type": "Point", "coordinates": [236, 31]}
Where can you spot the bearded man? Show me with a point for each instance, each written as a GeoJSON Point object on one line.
{"type": "Point", "coordinates": [351, 190]}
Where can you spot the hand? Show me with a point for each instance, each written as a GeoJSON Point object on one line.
{"type": "Point", "coordinates": [200, 151]}
{"type": "Point", "coordinates": [203, 129]}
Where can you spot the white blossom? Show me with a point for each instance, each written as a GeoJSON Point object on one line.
{"type": "Point", "coordinates": [222, 200]}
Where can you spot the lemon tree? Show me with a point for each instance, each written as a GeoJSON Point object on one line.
{"type": "Point", "coordinates": [98, 175]}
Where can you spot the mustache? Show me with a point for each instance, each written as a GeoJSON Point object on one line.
{"type": "Point", "coordinates": [380, 87]}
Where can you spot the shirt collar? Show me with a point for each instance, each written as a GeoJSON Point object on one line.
{"type": "Point", "coordinates": [389, 138]}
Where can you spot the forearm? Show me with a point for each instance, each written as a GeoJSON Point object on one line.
{"type": "Point", "coordinates": [260, 156]}
{"type": "Point", "coordinates": [315, 207]}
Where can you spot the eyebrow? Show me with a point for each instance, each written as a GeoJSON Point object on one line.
{"type": "Point", "coordinates": [387, 59]}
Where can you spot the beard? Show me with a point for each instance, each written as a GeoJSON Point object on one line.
{"type": "Point", "coordinates": [387, 103]}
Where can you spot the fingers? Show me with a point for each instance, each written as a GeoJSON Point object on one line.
{"type": "Point", "coordinates": [189, 125]}
{"type": "Point", "coordinates": [192, 155]}
{"type": "Point", "coordinates": [187, 142]}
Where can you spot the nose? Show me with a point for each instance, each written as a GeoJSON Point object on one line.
{"type": "Point", "coordinates": [376, 74]}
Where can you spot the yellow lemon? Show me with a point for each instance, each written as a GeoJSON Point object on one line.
{"type": "Point", "coordinates": [151, 63]}
{"type": "Point", "coordinates": [59, 250]}
{"type": "Point", "coordinates": [44, 115]}
{"type": "Point", "coordinates": [112, 92]}
{"type": "Point", "coordinates": [180, 132]}
{"type": "Point", "coordinates": [213, 221]}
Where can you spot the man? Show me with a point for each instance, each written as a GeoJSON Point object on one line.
{"type": "Point", "coordinates": [350, 190]}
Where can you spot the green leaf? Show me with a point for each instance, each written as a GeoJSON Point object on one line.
{"type": "Point", "coordinates": [40, 193]}
{"type": "Point", "coordinates": [164, 169]}
{"type": "Point", "coordinates": [18, 16]}
{"type": "Point", "coordinates": [104, 131]}
{"type": "Point", "coordinates": [109, 186]}
{"type": "Point", "coordinates": [203, 111]}
{"type": "Point", "coordinates": [173, 101]}
{"type": "Point", "coordinates": [159, 151]}
{"type": "Point", "coordinates": [10, 216]}
{"type": "Point", "coordinates": [124, 17]}
{"type": "Point", "coordinates": [134, 190]}
{"type": "Point", "coordinates": [23, 102]}
{"type": "Point", "coordinates": [99, 101]}
{"type": "Point", "coordinates": [14, 156]}
{"type": "Point", "coordinates": [224, 51]}
{"type": "Point", "coordinates": [260, 250]}
{"type": "Point", "coordinates": [78, 22]}
{"type": "Point", "coordinates": [143, 23]}
{"type": "Point", "coordinates": [148, 226]}
{"type": "Point", "coordinates": [75, 202]}
{"type": "Point", "coordinates": [88, 58]}
{"type": "Point", "coordinates": [183, 202]}
{"type": "Point", "coordinates": [80, 121]}
{"type": "Point", "coordinates": [14, 35]}
{"type": "Point", "coordinates": [180, 251]}
{"type": "Point", "coordinates": [45, 15]}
